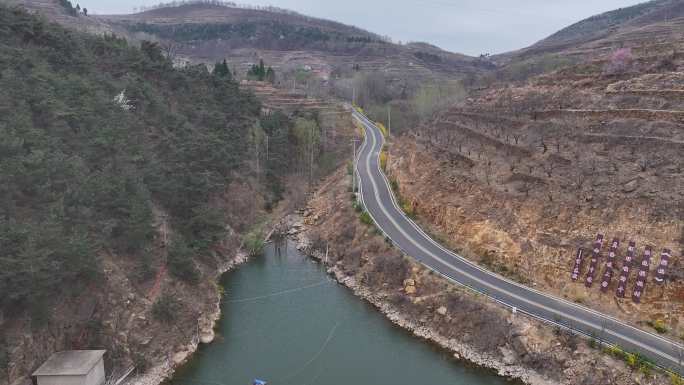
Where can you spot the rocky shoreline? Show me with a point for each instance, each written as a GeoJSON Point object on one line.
{"type": "Point", "coordinates": [460, 351]}
{"type": "Point", "coordinates": [471, 326]}
{"type": "Point", "coordinates": [207, 322]}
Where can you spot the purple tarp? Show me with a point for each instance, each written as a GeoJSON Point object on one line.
{"type": "Point", "coordinates": [576, 271]}
{"type": "Point", "coordinates": [624, 272]}
{"type": "Point", "coordinates": [595, 254]}
{"type": "Point", "coordinates": [640, 284]}
{"type": "Point", "coordinates": [662, 267]}
{"type": "Point", "coordinates": [608, 274]}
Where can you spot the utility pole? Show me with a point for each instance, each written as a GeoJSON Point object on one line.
{"type": "Point", "coordinates": [354, 165]}
{"type": "Point", "coordinates": [389, 133]}
{"type": "Point", "coordinates": [353, 96]}
{"type": "Point", "coordinates": [266, 150]}
{"type": "Point", "coordinates": [311, 159]}
{"type": "Point", "coordinates": [389, 120]}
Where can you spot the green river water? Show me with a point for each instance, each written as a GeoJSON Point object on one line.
{"type": "Point", "coordinates": [285, 321]}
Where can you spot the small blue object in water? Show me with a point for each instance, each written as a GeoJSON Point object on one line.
{"type": "Point", "coordinates": [259, 382]}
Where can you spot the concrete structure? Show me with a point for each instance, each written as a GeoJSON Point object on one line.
{"type": "Point", "coordinates": [74, 367]}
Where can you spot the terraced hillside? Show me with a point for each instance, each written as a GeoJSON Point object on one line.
{"type": "Point", "coordinates": [55, 11]}
{"type": "Point", "coordinates": [208, 32]}
{"type": "Point", "coordinates": [291, 102]}
{"type": "Point", "coordinates": [521, 175]}
{"type": "Point", "coordinates": [651, 26]}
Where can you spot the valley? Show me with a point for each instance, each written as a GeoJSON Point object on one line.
{"type": "Point", "coordinates": [234, 126]}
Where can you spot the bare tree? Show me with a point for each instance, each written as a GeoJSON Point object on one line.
{"type": "Point", "coordinates": [526, 187]}
{"type": "Point", "coordinates": [516, 137]}
{"type": "Point", "coordinates": [169, 49]}
{"type": "Point", "coordinates": [549, 167]}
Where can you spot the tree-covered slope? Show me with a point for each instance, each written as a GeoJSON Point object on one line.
{"type": "Point", "coordinates": [93, 133]}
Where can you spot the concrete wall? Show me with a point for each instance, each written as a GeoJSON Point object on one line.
{"type": "Point", "coordinates": [61, 380]}
{"type": "Point", "coordinates": [96, 376]}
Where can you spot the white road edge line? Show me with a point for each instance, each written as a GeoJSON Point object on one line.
{"type": "Point", "coordinates": [550, 310]}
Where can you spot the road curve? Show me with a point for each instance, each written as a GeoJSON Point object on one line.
{"type": "Point", "coordinates": [379, 201]}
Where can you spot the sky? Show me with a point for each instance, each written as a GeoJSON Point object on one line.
{"type": "Point", "coordinates": [472, 27]}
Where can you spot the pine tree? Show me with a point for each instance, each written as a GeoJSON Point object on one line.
{"type": "Point", "coordinates": [221, 70]}
{"type": "Point", "coordinates": [262, 70]}
{"type": "Point", "coordinates": [270, 75]}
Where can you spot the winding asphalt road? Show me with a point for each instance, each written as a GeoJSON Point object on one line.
{"type": "Point", "coordinates": [380, 203]}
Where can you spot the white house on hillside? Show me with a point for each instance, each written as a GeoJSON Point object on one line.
{"type": "Point", "coordinates": [73, 367]}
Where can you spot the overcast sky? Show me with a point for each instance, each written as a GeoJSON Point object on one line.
{"type": "Point", "coordinates": [467, 26]}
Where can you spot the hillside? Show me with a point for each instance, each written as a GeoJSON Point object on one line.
{"type": "Point", "coordinates": [646, 24]}
{"type": "Point", "coordinates": [288, 41]}
{"type": "Point", "coordinates": [127, 186]}
{"type": "Point", "coordinates": [520, 174]}
{"type": "Point", "coordinates": [102, 144]}
{"type": "Point", "coordinates": [65, 14]}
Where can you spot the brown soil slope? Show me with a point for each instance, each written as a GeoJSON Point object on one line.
{"type": "Point", "coordinates": [518, 177]}
{"type": "Point", "coordinates": [446, 314]}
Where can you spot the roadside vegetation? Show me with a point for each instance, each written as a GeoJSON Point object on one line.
{"type": "Point", "coordinates": [658, 325]}
{"type": "Point", "coordinates": [403, 106]}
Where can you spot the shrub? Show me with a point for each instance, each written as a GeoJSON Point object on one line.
{"type": "Point", "coordinates": [408, 209]}
{"type": "Point", "coordinates": [394, 185]}
{"type": "Point", "coordinates": [616, 351]}
{"type": "Point", "coordinates": [254, 243]}
{"type": "Point", "coordinates": [593, 343]}
{"type": "Point", "coordinates": [676, 379]}
{"type": "Point", "coordinates": [658, 325]}
{"type": "Point", "coordinates": [382, 128]}
{"type": "Point", "coordinates": [357, 207]}
{"type": "Point", "coordinates": [366, 218]}
{"type": "Point", "coordinates": [389, 269]}
{"type": "Point", "coordinates": [180, 261]}
{"type": "Point", "coordinates": [383, 161]}
{"type": "Point", "coordinates": [166, 308]}
{"type": "Point", "coordinates": [143, 270]}
{"type": "Point", "coordinates": [631, 360]}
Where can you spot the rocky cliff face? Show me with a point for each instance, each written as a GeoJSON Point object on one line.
{"type": "Point", "coordinates": [474, 328]}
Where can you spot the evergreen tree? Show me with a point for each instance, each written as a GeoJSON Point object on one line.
{"type": "Point", "coordinates": [262, 70]}
{"type": "Point", "coordinates": [221, 70]}
{"type": "Point", "coordinates": [80, 171]}
{"type": "Point", "coordinates": [270, 75]}
{"type": "Point", "coordinates": [258, 71]}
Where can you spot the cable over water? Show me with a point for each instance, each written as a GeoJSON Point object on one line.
{"type": "Point", "coordinates": [288, 291]}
